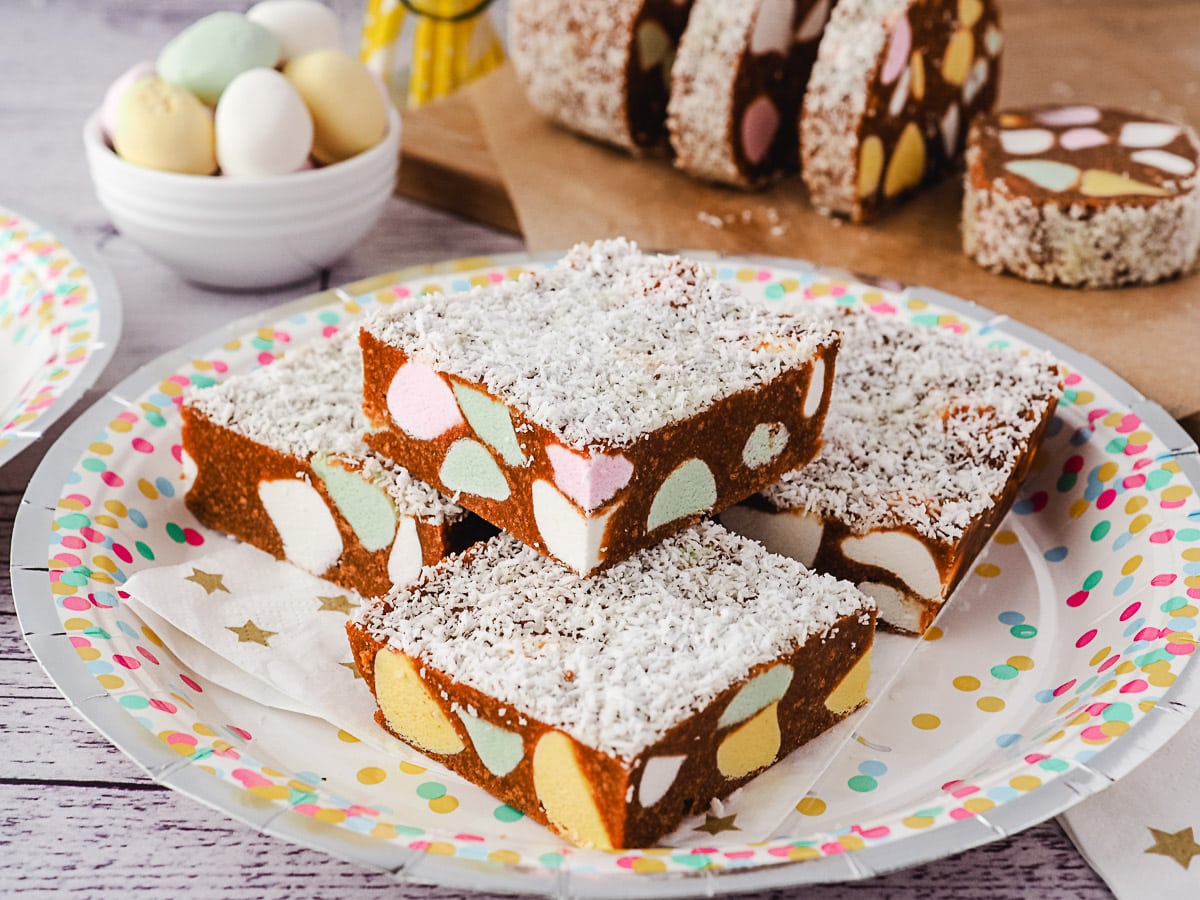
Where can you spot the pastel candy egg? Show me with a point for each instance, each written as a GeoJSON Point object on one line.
{"type": "Point", "coordinates": [162, 126]}
{"type": "Point", "coordinates": [348, 113]}
{"type": "Point", "coordinates": [116, 90]}
{"type": "Point", "coordinates": [263, 127]}
{"type": "Point", "coordinates": [300, 26]}
{"type": "Point", "coordinates": [211, 52]}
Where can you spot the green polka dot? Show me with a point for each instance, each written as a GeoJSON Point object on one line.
{"type": "Point", "coordinates": [1066, 481]}
{"type": "Point", "coordinates": [1023, 631]}
{"type": "Point", "coordinates": [175, 533]}
{"type": "Point", "coordinates": [1173, 604]}
{"type": "Point", "coordinates": [1188, 534]}
{"type": "Point", "coordinates": [1116, 445]}
{"type": "Point", "coordinates": [74, 578]}
{"type": "Point", "coordinates": [1118, 712]}
{"type": "Point", "coordinates": [1004, 672]}
{"type": "Point", "coordinates": [506, 813]}
{"type": "Point", "coordinates": [144, 549]}
{"type": "Point", "coordinates": [691, 860]}
{"type": "Point", "coordinates": [261, 343]}
{"type": "Point", "coordinates": [1054, 765]}
{"type": "Point", "coordinates": [551, 860]}
{"type": "Point", "coordinates": [774, 291]}
{"type": "Point", "coordinates": [329, 317]}
{"type": "Point", "coordinates": [155, 418]}
{"type": "Point", "coordinates": [431, 790]}
{"type": "Point", "coordinates": [1158, 478]}
{"type": "Point", "coordinates": [74, 521]}
{"type": "Point", "coordinates": [862, 783]}
{"type": "Point", "coordinates": [94, 465]}
{"type": "Point", "coordinates": [134, 701]}
{"type": "Point", "coordinates": [1100, 532]}
{"type": "Point", "coordinates": [97, 633]}
{"type": "Point", "coordinates": [409, 830]}
{"type": "Point", "coordinates": [1092, 580]}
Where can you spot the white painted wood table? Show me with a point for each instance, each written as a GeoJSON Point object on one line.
{"type": "Point", "coordinates": [78, 817]}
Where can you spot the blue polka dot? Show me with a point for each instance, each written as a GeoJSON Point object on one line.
{"type": "Point", "coordinates": [1123, 585]}
{"type": "Point", "coordinates": [1023, 507]}
{"type": "Point", "coordinates": [74, 478]}
{"type": "Point", "coordinates": [1122, 541]}
{"type": "Point", "coordinates": [127, 628]}
{"type": "Point", "coordinates": [1007, 740]}
{"type": "Point", "coordinates": [1084, 756]}
{"type": "Point", "coordinates": [873, 767]}
{"type": "Point", "coordinates": [1084, 685]}
{"type": "Point", "coordinates": [360, 824]}
{"type": "Point", "coordinates": [137, 518]}
{"type": "Point", "coordinates": [1011, 617]}
{"type": "Point", "coordinates": [725, 273]}
{"type": "Point", "coordinates": [1055, 554]}
{"type": "Point", "coordinates": [1002, 794]}
{"type": "Point", "coordinates": [1192, 568]}
{"type": "Point", "coordinates": [1044, 696]}
{"type": "Point", "coordinates": [1081, 437]}
{"type": "Point", "coordinates": [1056, 425]}
{"type": "Point", "coordinates": [460, 284]}
{"type": "Point", "coordinates": [164, 486]}
{"type": "Point", "coordinates": [1135, 647]}
{"type": "Point", "coordinates": [159, 399]}
{"type": "Point", "coordinates": [1183, 623]}
{"type": "Point", "coordinates": [99, 667]}
{"type": "Point", "coordinates": [1135, 626]}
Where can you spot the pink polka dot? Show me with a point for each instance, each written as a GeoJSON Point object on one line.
{"type": "Point", "coordinates": [193, 537]}
{"type": "Point", "coordinates": [71, 542]}
{"type": "Point", "coordinates": [356, 810]}
{"type": "Point", "coordinates": [128, 417]}
{"type": "Point", "coordinates": [164, 706]}
{"type": "Point", "coordinates": [78, 604]}
{"type": "Point", "coordinates": [240, 732]}
{"type": "Point", "coordinates": [961, 813]}
{"type": "Point", "coordinates": [457, 837]}
{"type": "Point", "coordinates": [177, 453]}
{"type": "Point", "coordinates": [178, 737]}
{"type": "Point", "coordinates": [1134, 687]}
{"type": "Point", "coordinates": [1095, 414]}
{"type": "Point", "coordinates": [1133, 481]}
{"type": "Point", "coordinates": [1064, 687]}
{"type": "Point", "coordinates": [1163, 580]}
{"type": "Point", "coordinates": [1147, 634]}
{"type": "Point", "coordinates": [424, 845]}
{"type": "Point", "coordinates": [873, 833]}
{"type": "Point", "coordinates": [739, 854]}
{"type": "Point", "coordinates": [1181, 649]}
{"type": "Point", "coordinates": [1086, 637]}
{"type": "Point", "coordinates": [1074, 464]}
{"type": "Point", "coordinates": [495, 277]}
{"type": "Point", "coordinates": [832, 848]}
{"type": "Point", "coordinates": [265, 358]}
{"type": "Point", "coordinates": [1109, 663]}
{"type": "Point", "coordinates": [147, 655]}
{"type": "Point", "coordinates": [92, 535]}
{"type": "Point", "coordinates": [776, 851]}
{"type": "Point", "coordinates": [192, 684]}
{"type": "Point", "coordinates": [306, 809]}
{"type": "Point", "coordinates": [1093, 733]}
{"type": "Point", "coordinates": [127, 661]}
{"type": "Point", "coordinates": [1094, 709]}
{"type": "Point", "coordinates": [221, 366]}
{"type": "Point", "coordinates": [1142, 463]}
{"type": "Point", "coordinates": [401, 292]}
{"type": "Point", "coordinates": [80, 642]}
{"type": "Point", "coordinates": [122, 553]}
{"type": "Point", "coordinates": [67, 559]}
{"type": "Point", "coordinates": [1105, 500]}
{"type": "Point", "coordinates": [112, 479]}
{"type": "Point", "coordinates": [626, 862]}
{"type": "Point", "coordinates": [1135, 449]}
{"type": "Point", "coordinates": [965, 791]}
{"type": "Point", "coordinates": [884, 308]}
{"type": "Point", "coordinates": [764, 275]}
{"type": "Point", "coordinates": [329, 331]}
{"type": "Point", "coordinates": [1073, 378]}
{"type": "Point", "coordinates": [951, 785]}
{"type": "Point", "coordinates": [1131, 610]}
{"type": "Point", "coordinates": [249, 778]}
{"type": "Point", "coordinates": [1129, 423]}
{"type": "Point", "coordinates": [80, 499]}
{"type": "Point", "coordinates": [141, 445]}
{"type": "Point", "coordinates": [1034, 758]}
{"type": "Point", "coordinates": [1077, 599]}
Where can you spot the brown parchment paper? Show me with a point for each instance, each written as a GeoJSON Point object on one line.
{"type": "Point", "coordinates": [1143, 55]}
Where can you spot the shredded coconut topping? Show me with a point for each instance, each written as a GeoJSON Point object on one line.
{"type": "Point", "coordinates": [924, 428]}
{"type": "Point", "coordinates": [309, 403]}
{"type": "Point", "coordinates": [606, 347]}
{"type": "Point", "coordinates": [651, 641]}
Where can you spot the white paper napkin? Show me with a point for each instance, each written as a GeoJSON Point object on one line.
{"type": "Point", "coordinates": [1142, 834]}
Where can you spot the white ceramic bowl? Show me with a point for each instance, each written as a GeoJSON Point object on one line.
{"type": "Point", "coordinates": [246, 233]}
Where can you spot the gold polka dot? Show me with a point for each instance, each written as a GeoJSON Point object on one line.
{"type": "Point", "coordinates": [811, 806]}
{"type": "Point", "coordinates": [346, 737]}
{"type": "Point", "coordinates": [933, 633]}
{"type": "Point", "coordinates": [384, 832]}
{"type": "Point", "coordinates": [978, 804]}
{"type": "Point", "coordinates": [270, 791]}
{"type": "Point", "coordinates": [966, 683]}
{"type": "Point", "coordinates": [798, 853]}
{"type": "Point", "coordinates": [440, 848]}
{"type": "Point", "coordinates": [371, 775]}
{"type": "Point", "coordinates": [990, 704]}
{"type": "Point", "coordinates": [444, 804]}
{"type": "Point", "coordinates": [1114, 729]}
{"type": "Point", "coordinates": [114, 682]}
{"type": "Point", "coordinates": [1131, 565]}
{"type": "Point", "coordinates": [1057, 736]}
{"type": "Point", "coordinates": [1192, 554]}
{"type": "Point", "coordinates": [1079, 507]}
{"type": "Point", "coordinates": [506, 857]}
{"type": "Point", "coordinates": [1105, 688]}
{"type": "Point", "coordinates": [411, 768]}
{"type": "Point", "coordinates": [1136, 503]}
{"type": "Point", "coordinates": [1124, 668]}
{"type": "Point", "coordinates": [645, 864]}
{"type": "Point", "coordinates": [1107, 472]}
{"type": "Point", "coordinates": [1005, 536]}
{"type": "Point", "coordinates": [918, 821]}
{"type": "Point", "coordinates": [926, 721]}
{"type": "Point", "coordinates": [1147, 705]}
{"type": "Point", "coordinates": [87, 654]}
{"type": "Point", "coordinates": [1024, 782]}
{"type": "Point", "coordinates": [201, 728]}
{"type": "Point", "coordinates": [987, 570]}
{"type": "Point", "coordinates": [77, 624]}
{"type": "Point", "coordinates": [1020, 663]}
{"type": "Point", "coordinates": [851, 841]}
{"type": "Point", "coordinates": [330, 816]}
{"type": "Point", "coordinates": [1100, 656]}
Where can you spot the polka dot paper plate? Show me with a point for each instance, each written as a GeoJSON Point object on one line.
{"type": "Point", "coordinates": [1063, 661]}
{"type": "Point", "coordinates": [60, 317]}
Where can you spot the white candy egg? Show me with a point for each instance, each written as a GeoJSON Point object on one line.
{"type": "Point", "coordinates": [263, 127]}
{"type": "Point", "coordinates": [301, 26]}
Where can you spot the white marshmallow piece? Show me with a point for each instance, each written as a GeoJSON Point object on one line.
{"type": "Point", "coordinates": [900, 553]}
{"type": "Point", "coordinates": [796, 535]}
{"type": "Point", "coordinates": [405, 559]}
{"type": "Point", "coordinates": [572, 538]}
{"type": "Point", "coordinates": [306, 526]}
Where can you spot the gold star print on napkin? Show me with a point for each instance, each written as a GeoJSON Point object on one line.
{"type": "Point", "coordinates": [1139, 833]}
{"type": "Point", "coordinates": [261, 628]}
{"type": "Point", "coordinates": [714, 825]}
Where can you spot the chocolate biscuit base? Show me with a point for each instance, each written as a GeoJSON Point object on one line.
{"type": "Point", "coordinates": [736, 86]}
{"type": "Point", "coordinates": [1082, 196]}
{"type": "Point", "coordinates": [611, 707]}
{"type": "Point", "coordinates": [593, 408]}
{"type": "Point", "coordinates": [599, 67]}
{"type": "Point", "coordinates": [279, 464]}
{"type": "Point", "coordinates": [928, 438]}
{"type": "Point", "coordinates": [894, 87]}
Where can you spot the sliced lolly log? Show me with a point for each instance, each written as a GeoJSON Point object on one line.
{"type": "Point", "coordinates": [611, 707]}
{"type": "Point", "coordinates": [1082, 196]}
{"type": "Point", "coordinates": [736, 87]}
{"type": "Point", "coordinates": [894, 87]}
{"type": "Point", "coordinates": [279, 463]}
{"type": "Point", "coordinates": [599, 67]}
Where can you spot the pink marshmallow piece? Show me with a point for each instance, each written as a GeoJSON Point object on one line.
{"type": "Point", "coordinates": [588, 480]}
{"type": "Point", "coordinates": [421, 403]}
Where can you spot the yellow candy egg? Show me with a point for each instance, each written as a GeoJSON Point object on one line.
{"type": "Point", "coordinates": [163, 126]}
{"type": "Point", "coordinates": [348, 111]}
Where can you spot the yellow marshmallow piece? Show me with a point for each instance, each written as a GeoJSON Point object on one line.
{"type": "Point", "coordinates": [906, 168]}
{"type": "Point", "coordinates": [751, 746]}
{"type": "Point", "coordinates": [565, 793]}
{"type": "Point", "coordinates": [851, 691]}
{"type": "Point", "coordinates": [163, 126]}
{"type": "Point", "coordinates": [408, 707]}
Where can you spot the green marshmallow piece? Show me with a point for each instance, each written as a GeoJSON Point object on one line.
{"type": "Point", "coordinates": [212, 51]}
{"type": "Point", "coordinates": [1045, 173]}
{"type": "Point", "coordinates": [690, 489]}
{"type": "Point", "coordinates": [469, 469]}
{"type": "Point", "coordinates": [499, 749]}
{"type": "Point", "coordinates": [757, 694]}
{"type": "Point", "coordinates": [366, 506]}
{"type": "Point", "coordinates": [491, 421]}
